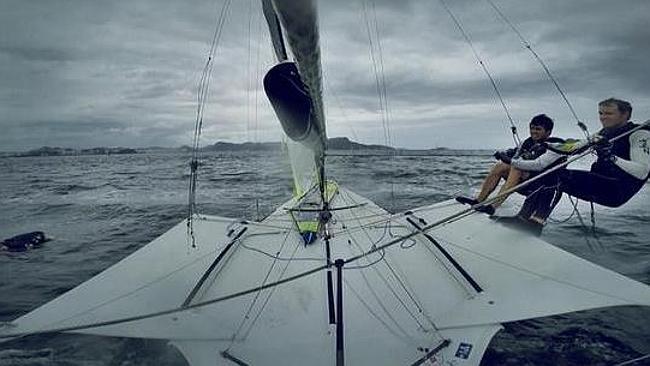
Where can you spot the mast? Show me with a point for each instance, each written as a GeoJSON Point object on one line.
{"type": "Point", "coordinates": [295, 89]}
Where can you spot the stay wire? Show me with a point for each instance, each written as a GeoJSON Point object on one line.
{"type": "Point", "coordinates": [527, 45]}
{"type": "Point", "coordinates": [382, 73]}
{"type": "Point", "coordinates": [376, 296]}
{"type": "Point", "coordinates": [258, 81]}
{"type": "Point", "coordinates": [202, 95]}
{"type": "Point", "coordinates": [277, 257]}
{"type": "Point", "coordinates": [383, 278]}
{"type": "Point", "coordinates": [573, 213]}
{"type": "Point", "coordinates": [257, 295]}
{"type": "Point", "coordinates": [272, 291]}
{"type": "Point", "coordinates": [586, 230]}
{"type": "Point", "coordinates": [376, 56]}
{"type": "Point", "coordinates": [376, 70]}
{"type": "Point", "coordinates": [387, 110]}
{"type": "Point", "coordinates": [372, 312]}
{"type": "Point", "coordinates": [513, 127]}
{"type": "Point", "coordinates": [380, 302]}
{"type": "Point", "coordinates": [402, 283]}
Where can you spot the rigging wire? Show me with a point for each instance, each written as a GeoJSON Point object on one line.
{"type": "Point", "coordinates": [391, 141]}
{"type": "Point", "coordinates": [277, 256]}
{"type": "Point", "coordinates": [400, 282]}
{"type": "Point", "coordinates": [527, 45]}
{"type": "Point", "coordinates": [585, 228]}
{"type": "Point", "coordinates": [202, 96]}
{"type": "Point", "coordinates": [403, 281]}
{"type": "Point", "coordinates": [376, 71]}
{"type": "Point", "coordinates": [378, 299]}
{"type": "Point", "coordinates": [258, 81]}
{"type": "Point", "coordinates": [249, 87]}
{"type": "Point", "coordinates": [272, 291]}
{"type": "Point", "coordinates": [513, 127]}
{"type": "Point", "coordinates": [257, 295]}
{"type": "Point", "coordinates": [249, 78]}
{"type": "Point", "coordinates": [574, 211]}
{"type": "Point", "coordinates": [372, 263]}
{"type": "Point", "coordinates": [382, 73]}
{"type": "Point", "coordinates": [372, 312]}
{"type": "Point", "coordinates": [377, 59]}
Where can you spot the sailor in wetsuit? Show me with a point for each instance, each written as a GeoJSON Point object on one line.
{"type": "Point", "coordinates": [620, 171]}
{"type": "Point", "coordinates": [512, 165]}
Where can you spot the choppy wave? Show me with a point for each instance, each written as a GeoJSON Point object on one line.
{"type": "Point", "coordinates": [74, 188]}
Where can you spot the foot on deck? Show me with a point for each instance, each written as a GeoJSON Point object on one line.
{"type": "Point", "coordinates": [467, 200]}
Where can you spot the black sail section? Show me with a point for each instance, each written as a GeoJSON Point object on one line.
{"type": "Point", "coordinates": [292, 102]}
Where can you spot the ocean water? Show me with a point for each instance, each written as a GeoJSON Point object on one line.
{"type": "Point", "coordinates": [100, 209]}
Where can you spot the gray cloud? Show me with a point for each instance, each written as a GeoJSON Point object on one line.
{"type": "Point", "coordinates": [124, 73]}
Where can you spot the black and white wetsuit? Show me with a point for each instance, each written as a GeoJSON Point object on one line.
{"type": "Point", "coordinates": [534, 159]}
{"type": "Point", "coordinates": [610, 182]}
{"type": "Point", "coordinates": [531, 149]}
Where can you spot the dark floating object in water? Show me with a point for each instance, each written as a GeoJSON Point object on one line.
{"type": "Point", "coordinates": [24, 242]}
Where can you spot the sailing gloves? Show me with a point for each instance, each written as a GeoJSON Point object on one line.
{"type": "Point", "coordinates": [503, 156]}
{"type": "Point", "coordinates": [603, 149]}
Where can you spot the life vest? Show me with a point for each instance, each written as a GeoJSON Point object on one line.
{"type": "Point", "coordinates": [531, 150]}
{"type": "Point", "coordinates": [620, 148]}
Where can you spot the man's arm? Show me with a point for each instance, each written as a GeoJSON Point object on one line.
{"type": "Point", "coordinates": [538, 164]}
{"type": "Point", "coordinates": [639, 163]}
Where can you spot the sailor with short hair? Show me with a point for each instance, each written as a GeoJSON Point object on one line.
{"type": "Point", "coordinates": [515, 166]}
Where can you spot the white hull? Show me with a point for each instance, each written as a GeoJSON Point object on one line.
{"type": "Point", "coordinates": [400, 305]}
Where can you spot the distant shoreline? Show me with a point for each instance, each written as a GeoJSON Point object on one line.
{"type": "Point", "coordinates": [338, 146]}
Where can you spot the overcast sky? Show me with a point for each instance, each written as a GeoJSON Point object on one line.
{"type": "Point", "coordinates": [78, 73]}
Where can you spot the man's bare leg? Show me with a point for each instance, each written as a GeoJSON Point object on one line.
{"type": "Point", "coordinates": [499, 170]}
{"type": "Point", "coordinates": [515, 176]}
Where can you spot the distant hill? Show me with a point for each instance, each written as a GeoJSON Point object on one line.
{"type": "Point", "coordinates": [246, 146]}
{"type": "Point", "coordinates": [335, 143]}
{"type": "Point", "coordinates": [344, 143]}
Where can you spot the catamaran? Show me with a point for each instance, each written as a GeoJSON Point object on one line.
{"type": "Point", "coordinates": [329, 277]}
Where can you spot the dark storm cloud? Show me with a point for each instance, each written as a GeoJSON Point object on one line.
{"type": "Point", "coordinates": [126, 72]}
